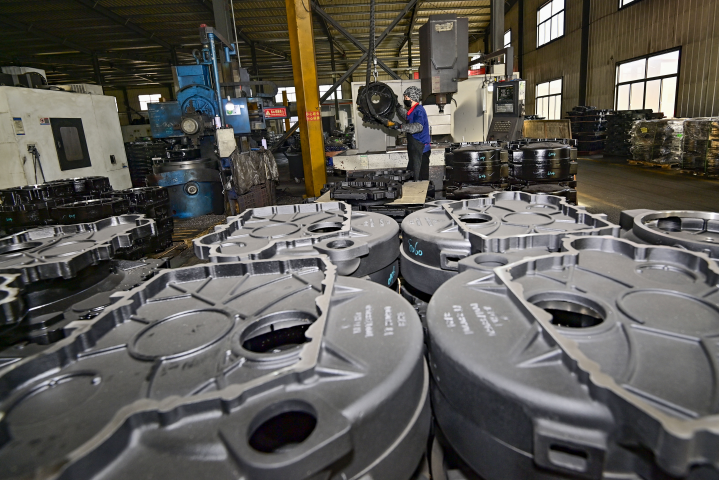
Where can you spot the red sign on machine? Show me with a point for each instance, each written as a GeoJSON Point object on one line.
{"type": "Point", "coordinates": [276, 112]}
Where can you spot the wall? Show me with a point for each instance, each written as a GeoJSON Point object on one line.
{"type": "Point", "coordinates": [644, 27]}
{"type": "Point", "coordinates": [652, 26]}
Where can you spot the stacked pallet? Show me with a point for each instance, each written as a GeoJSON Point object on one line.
{"type": "Point", "coordinates": [589, 127]}
{"type": "Point", "coordinates": [619, 126]}
{"type": "Point", "coordinates": [701, 146]}
{"type": "Point", "coordinates": [657, 141]}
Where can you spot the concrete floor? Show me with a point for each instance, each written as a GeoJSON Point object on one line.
{"type": "Point", "coordinates": [610, 185]}
{"type": "Point", "coordinates": [605, 185]}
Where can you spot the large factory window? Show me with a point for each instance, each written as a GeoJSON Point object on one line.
{"type": "Point", "coordinates": [549, 99]}
{"type": "Point", "coordinates": [648, 82]}
{"type": "Point", "coordinates": [550, 22]}
{"type": "Point", "coordinates": [145, 99]}
{"type": "Point", "coordinates": [508, 38]}
{"type": "Point", "coordinates": [624, 3]}
{"type": "Point", "coordinates": [324, 88]}
{"type": "Point", "coordinates": [291, 95]}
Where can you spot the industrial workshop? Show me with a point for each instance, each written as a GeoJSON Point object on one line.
{"type": "Point", "coordinates": [359, 239]}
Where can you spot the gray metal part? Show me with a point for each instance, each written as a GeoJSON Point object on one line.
{"type": "Point", "coordinates": [62, 251]}
{"type": "Point", "coordinates": [692, 230]}
{"type": "Point", "coordinates": [360, 243]}
{"type": "Point", "coordinates": [594, 390]}
{"type": "Point", "coordinates": [169, 366]}
{"type": "Point", "coordinates": [12, 307]}
{"type": "Point", "coordinates": [423, 277]}
{"type": "Point", "coordinates": [507, 221]}
{"type": "Point", "coordinates": [56, 303]}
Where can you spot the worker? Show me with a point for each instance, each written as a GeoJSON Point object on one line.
{"type": "Point", "coordinates": [417, 130]}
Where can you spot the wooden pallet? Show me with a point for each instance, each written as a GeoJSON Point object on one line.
{"type": "Point", "coordinates": [665, 166]}
{"type": "Point", "coordinates": [699, 174]}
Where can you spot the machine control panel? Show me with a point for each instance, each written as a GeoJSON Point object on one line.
{"type": "Point", "coordinates": [505, 129]}
{"type": "Point", "coordinates": [508, 111]}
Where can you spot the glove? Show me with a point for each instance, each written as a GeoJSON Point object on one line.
{"type": "Point", "coordinates": [388, 123]}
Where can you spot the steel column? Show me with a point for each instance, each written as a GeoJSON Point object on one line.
{"type": "Point", "coordinates": [286, 104]}
{"type": "Point", "coordinates": [584, 53]}
{"type": "Point", "coordinates": [96, 67]}
{"type": "Point", "coordinates": [496, 25]}
{"type": "Point", "coordinates": [348, 73]}
{"type": "Point", "coordinates": [302, 46]}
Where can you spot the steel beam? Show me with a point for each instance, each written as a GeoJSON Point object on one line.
{"type": "Point", "coordinates": [302, 46]}
{"type": "Point", "coordinates": [356, 42]}
{"type": "Point", "coordinates": [107, 13]}
{"type": "Point", "coordinates": [348, 73]}
{"type": "Point", "coordinates": [408, 34]}
{"type": "Point", "coordinates": [43, 34]}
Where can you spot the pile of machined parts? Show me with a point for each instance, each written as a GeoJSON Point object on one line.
{"type": "Point", "coordinates": [86, 200]}
{"type": "Point", "coordinates": [507, 336]}
{"type": "Point", "coordinates": [542, 166]}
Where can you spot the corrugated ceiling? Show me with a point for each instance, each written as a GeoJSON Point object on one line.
{"type": "Point", "coordinates": [62, 36]}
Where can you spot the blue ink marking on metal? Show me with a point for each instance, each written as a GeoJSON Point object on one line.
{"type": "Point", "coordinates": [413, 248]}
{"type": "Point", "coordinates": [391, 277]}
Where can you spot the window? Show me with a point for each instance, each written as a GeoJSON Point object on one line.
{"type": "Point", "coordinates": [508, 38]}
{"type": "Point", "coordinates": [291, 95]}
{"type": "Point", "coordinates": [324, 88]}
{"type": "Point", "coordinates": [624, 3]}
{"type": "Point", "coordinates": [550, 22]}
{"type": "Point", "coordinates": [549, 100]}
{"type": "Point", "coordinates": [145, 99]}
{"type": "Point", "coordinates": [648, 82]}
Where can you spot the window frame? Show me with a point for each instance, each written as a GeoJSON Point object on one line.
{"type": "Point", "coordinates": [508, 31]}
{"type": "Point", "coordinates": [617, 84]}
{"type": "Point", "coordinates": [622, 6]}
{"type": "Point", "coordinates": [147, 102]}
{"type": "Point", "coordinates": [549, 21]}
{"type": "Point", "coordinates": [560, 95]}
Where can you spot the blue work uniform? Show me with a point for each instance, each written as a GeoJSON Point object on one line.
{"type": "Point", "coordinates": [418, 144]}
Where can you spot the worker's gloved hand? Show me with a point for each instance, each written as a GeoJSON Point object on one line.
{"type": "Point", "coordinates": [388, 123]}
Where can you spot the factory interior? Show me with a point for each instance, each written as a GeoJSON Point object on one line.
{"type": "Point", "coordinates": [391, 239]}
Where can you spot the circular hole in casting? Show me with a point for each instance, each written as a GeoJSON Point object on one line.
{"type": "Point", "coordinates": [570, 314]}
{"type": "Point", "coordinates": [283, 431]}
{"type": "Point", "coordinates": [325, 227]}
{"type": "Point", "coordinates": [277, 332]}
{"type": "Point", "coordinates": [476, 218]}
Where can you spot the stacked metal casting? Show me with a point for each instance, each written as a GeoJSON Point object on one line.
{"type": "Point", "coordinates": [589, 127]}
{"type": "Point", "coordinates": [546, 166]}
{"type": "Point", "coordinates": [139, 159]}
{"type": "Point", "coordinates": [154, 203]}
{"type": "Point", "coordinates": [475, 170]}
{"type": "Point", "coordinates": [597, 362]}
{"type": "Point", "coordinates": [59, 202]}
{"type": "Point", "coordinates": [274, 369]}
{"type": "Point", "coordinates": [359, 244]}
{"type": "Point", "coordinates": [376, 191]}
{"type": "Point", "coordinates": [503, 227]}
{"type": "Point", "coordinates": [66, 273]}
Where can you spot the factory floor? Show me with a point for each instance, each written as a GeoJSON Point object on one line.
{"type": "Point", "coordinates": [605, 185]}
{"type": "Point", "coordinates": [610, 185]}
